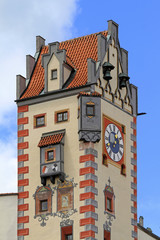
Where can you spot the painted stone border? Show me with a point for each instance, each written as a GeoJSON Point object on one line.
{"type": "Point", "coordinates": [134, 176]}
{"type": "Point", "coordinates": [22, 170]}
{"type": "Point", "coordinates": [89, 182]}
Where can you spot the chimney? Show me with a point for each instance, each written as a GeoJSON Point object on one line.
{"type": "Point", "coordinates": [40, 42]}
{"type": "Point", "coordinates": [30, 61]}
{"type": "Point", "coordinates": [20, 85]}
{"type": "Point", "coordinates": [141, 221]}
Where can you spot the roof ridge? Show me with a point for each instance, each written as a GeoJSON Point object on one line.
{"type": "Point", "coordinates": [72, 39]}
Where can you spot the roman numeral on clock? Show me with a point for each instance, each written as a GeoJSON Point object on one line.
{"type": "Point", "coordinates": [120, 153]}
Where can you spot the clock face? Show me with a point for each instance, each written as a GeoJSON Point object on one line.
{"type": "Point", "coordinates": [114, 142]}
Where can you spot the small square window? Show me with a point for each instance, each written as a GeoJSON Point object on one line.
{"type": "Point", "coordinates": [54, 74]}
{"type": "Point", "coordinates": [39, 120]}
{"type": "Point", "coordinates": [90, 110]}
{"type": "Point", "coordinates": [62, 116]}
{"type": "Point", "coordinates": [50, 155]}
{"type": "Point", "coordinates": [43, 205]}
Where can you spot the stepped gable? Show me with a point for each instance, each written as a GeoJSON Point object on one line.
{"type": "Point", "coordinates": [78, 50]}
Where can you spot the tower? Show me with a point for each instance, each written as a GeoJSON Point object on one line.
{"type": "Point", "coordinates": [77, 160]}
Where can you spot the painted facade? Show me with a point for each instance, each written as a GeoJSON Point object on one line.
{"type": "Point", "coordinates": [8, 208]}
{"type": "Point", "coordinates": [77, 157]}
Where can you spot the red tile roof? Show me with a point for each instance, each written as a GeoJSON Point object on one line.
{"type": "Point", "coordinates": [51, 139]}
{"type": "Point", "coordinates": [78, 50]}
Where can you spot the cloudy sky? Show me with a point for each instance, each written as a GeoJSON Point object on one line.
{"type": "Point", "coordinates": [57, 20]}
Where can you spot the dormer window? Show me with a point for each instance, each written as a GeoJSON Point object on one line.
{"type": "Point", "coordinates": [53, 74]}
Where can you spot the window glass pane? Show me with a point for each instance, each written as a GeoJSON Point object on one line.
{"type": "Point", "coordinates": [40, 121]}
{"type": "Point", "coordinates": [59, 117]}
{"type": "Point", "coordinates": [50, 155]}
{"type": "Point", "coordinates": [44, 205]}
{"type": "Point", "coordinates": [90, 110]}
{"type": "Point", "coordinates": [69, 237]}
{"type": "Point", "coordinates": [65, 116]}
{"type": "Point", "coordinates": [109, 204]}
{"type": "Point", "coordinates": [54, 74]}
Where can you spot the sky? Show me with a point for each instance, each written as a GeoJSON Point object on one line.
{"type": "Point", "coordinates": [139, 33]}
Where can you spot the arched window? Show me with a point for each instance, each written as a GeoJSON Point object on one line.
{"type": "Point", "coordinates": [109, 199]}
{"type": "Point", "coordinates": [43, 201]}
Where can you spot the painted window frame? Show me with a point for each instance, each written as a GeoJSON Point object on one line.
{"type": "Point", "coordinates": [109, 196]}
{"type": "Point", "coordinates": [67, 230]}
{"type": "Point", "coordinates": [62, 112]}
{"type": "Point", "coordinates": [107, 235]}
{"type": "Point", "coordinates": [35, 117]}
{"type": "Point", "coordinates": [89, 105]}
{"type": "Point", "coordinates": [41, 196]}
{"type": "Point", "coordinates": [47, 150]}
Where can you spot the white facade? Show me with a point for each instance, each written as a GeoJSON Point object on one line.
{"type": "Point", "coordinates": [8, 209]}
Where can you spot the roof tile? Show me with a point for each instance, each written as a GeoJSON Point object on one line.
{"type": "Point", "coordinates": [78, 50]}
{"type": "Point", "coordinates": [51, 139]}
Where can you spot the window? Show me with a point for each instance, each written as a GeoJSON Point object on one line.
{"type": "Point", "coordinates": [61, 116]}
{"type": "Point", "coordinates": [69, 237]}
{"type": "Point", "coordinates": [39, 120]}
{"type": "Point", "coordinates": [90, 109]}
{"type": "Point", "coordinates": [54, 74]}
{"type": "Point", "coordinates": [109, 204]}
{"type": "Point", "coordinates": [43, 201]}
{"type": "Point", "coordinates": [43, 205]}
{"type": "Point", "coordinates": [109, 199]}
{"type": "Point", "coordinates": [50, 155]}
{"type": "Point", "coordinates": [67, 233]}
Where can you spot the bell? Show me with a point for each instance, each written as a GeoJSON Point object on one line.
{"type": "Point", "coordinates": [107, 67]}
{"type": "Point", "coordinates": [123, 80]}
{"type": "Point", "coordinates": [107, 76]}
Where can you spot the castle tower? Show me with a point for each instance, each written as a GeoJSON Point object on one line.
{"type": "Point", "coordinates": [77, 160]}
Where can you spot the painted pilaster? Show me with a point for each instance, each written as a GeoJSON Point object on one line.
{"type": "Point", "coordinates": [134, 179]}
{"type": "Point", "coordinates": [88, 182]}
{"type": "Point", "coordinates": [22, 170]}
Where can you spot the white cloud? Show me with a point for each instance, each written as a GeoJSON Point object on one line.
{"type": "Point", "coordinates": [20, 22]}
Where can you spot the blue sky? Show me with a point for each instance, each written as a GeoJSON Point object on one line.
{"type": "Point", "coordinates": [139, 33]}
